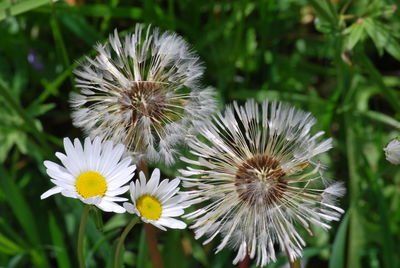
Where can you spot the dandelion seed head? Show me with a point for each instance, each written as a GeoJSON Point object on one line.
{"type": "Point", "coordinates": [258, 178]}
{"type": "Point", "coordinates": [392, 151]}
{"type": "Point", "coordinates": [142, 91]}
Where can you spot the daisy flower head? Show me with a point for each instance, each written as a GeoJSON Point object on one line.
{"type": "Point", "coordinates": [157, 202]}
{"type": "Point", "coordinates": [95, 173]}
{"type": "Point", "coordinates": [392, 151]}
{"type": "Point", "coordinates": [256, 171]}
{"type": "Point", "coordinates": [142, 91]}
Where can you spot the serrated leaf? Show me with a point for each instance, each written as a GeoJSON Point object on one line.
{"type": "Point", "coordinates": [382, 37]}
{"type": "Point", "coordinates": [355, 33]}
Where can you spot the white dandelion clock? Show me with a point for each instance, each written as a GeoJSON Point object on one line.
{"type": "Point", "coordinates": [95, 173]}
{"type": "Point", "coordinates": [142, 91]}
{"type": "Point", "coordinates": [256, 170]}
{"type": "Point", "coordinates": [392, 152]}
{"type": "Point", "coordinates": [157, 202]}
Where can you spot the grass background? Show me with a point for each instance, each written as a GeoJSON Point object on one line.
{"type": "Point", "coordinates": [338, 59]}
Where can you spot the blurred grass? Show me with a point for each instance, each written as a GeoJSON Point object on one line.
{"type": "Point", "coordinates": [337, 59]}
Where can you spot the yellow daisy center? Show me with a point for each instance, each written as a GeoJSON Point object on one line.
{"type": "Point", "coordinates": [90, 184]}
{"type": "Point", "coordinates": [149, 207]}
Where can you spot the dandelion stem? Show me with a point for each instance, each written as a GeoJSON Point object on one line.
{"type": "Point", "coordinates": [121, 241]}
{"type": "Point", "coordinates": [295, 263]}
{"type": "Point", "coordinates": [81, 234]}
{"type": "Point", "coordinates": [245, 262]}
{"type": "Point", "coordinates": [150, 230]}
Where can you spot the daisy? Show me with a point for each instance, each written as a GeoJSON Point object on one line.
{"type": "Point", "coordinates": [142, 91]}
{"type": "Point", "coordinates": [157, 202]}
{"type": "Point", "coordinates": [94, 173]}
{"type": "Point", "coordinates": [256, 171]}
{"type": "Point", "coordinates": [392, 152]}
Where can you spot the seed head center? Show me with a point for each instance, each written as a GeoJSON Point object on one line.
{"type": "Point", "coordinates": [144, 99]}
{"type": "Point", "coordinates": [260, 180]}
{"type": "Point", "coordinates": [90, 184]}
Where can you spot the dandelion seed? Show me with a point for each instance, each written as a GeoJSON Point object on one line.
{"type": "Point", "coordinates": [94, 173]}
{"type": "Point", "coordinates": [258, 174]}
{"type": "Point", "coordinates": [143, 92]}
{"type": "Point", "coordinates": [157, 202]}
{"type": "Point", "coordinates": [392, 151]}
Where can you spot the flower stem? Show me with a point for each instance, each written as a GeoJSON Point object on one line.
{"type": "Point", "coordinates": [295, 263]}
{"type": "Point", "coordinates": [245, 262]}
{"type": "Point", "coordinates": [150, 231]}
{"type": "Point", "coordinates": [81, 234]}
{"type": "Point", "coordinates": [121, 240]}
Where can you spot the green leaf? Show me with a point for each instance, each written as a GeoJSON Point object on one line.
{"type": "Point", "coordinates": [143, 255]}
{"type": "Point", "coordinates": [20, 7]}
{"type": "Point", "coordinates": [35, 109]}
{"type": "Point", "coordinates": [23, 212]}
{"type": "Point", "coordinates": [60, 248]}
{"type": "Point", "coordinates": [337, 259]}
{"type": "Point", "coordinates": [173, 250]}
{"type": "Point", "coordinates": [355, 33]}
{"type": "Point", "coordinates": [78, 25]}
{"type": "Point", "coordinates": [97, 10]}
{"type": "Point", "coordinates": [327, 21]}
{"type": "Point", "coordinates": [7, 246]}
{"type": "Point", "coordinates": [382, 37]}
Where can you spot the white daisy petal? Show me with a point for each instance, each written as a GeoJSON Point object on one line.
{"type": "Point", "coordinates": [172, 212]}
{"type": "Point", "coordinates": [257, 172]}
{"type": "Point", "coordinates": [118, 191]}
{"type": "Point", "coordinates": [91, 173]}
{"type": "Point", "coordinates": [130, 208]}
{"type": "Point", "coordinates": [110, 207]}
{"type": "Point", "coordinates": [95, 200]}
{"type": "Point", "coordinates": [115, 198]}
{"type": "Point", "coordinates": [172, 223]}
{"type": "Point", "coordinates": [154, 180]}
{"type": "Point", "coordinates": [54, 190]}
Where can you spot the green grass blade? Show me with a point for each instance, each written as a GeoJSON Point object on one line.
{"type": "Point", "coordinates": [356, 228]}
{"type": "Point", "coordinates": [337, 259]}
{"type": "Point", "coordinates": [143, 255]}
{"type": "Point", "coordinates": [23, 213]}
{"type": "Point", "coordinates": [17, 8]}
{"type": "Point", "coordinates": [7, 246]}
{"type": "Point", "coordinates": [61, 251]}
{"type": "Point", "coordinates": [97, 10]}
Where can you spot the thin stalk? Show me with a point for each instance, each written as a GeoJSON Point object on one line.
{"type": "Point", "coordinates": [121, 241]}
{"type": "Point", "coordinates": [295, 263]}
{"type": "Point", "coordinates": [245, 262]}
{"type": "Point", "coordinates": [81, 234]}
{"type": "Point", "coordinates": [355, 225]}
{"type": "Point", "coordinates": [151, 239]}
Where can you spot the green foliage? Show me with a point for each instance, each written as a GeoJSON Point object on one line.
{"type": "Point", "coordinates": [337, 59]}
